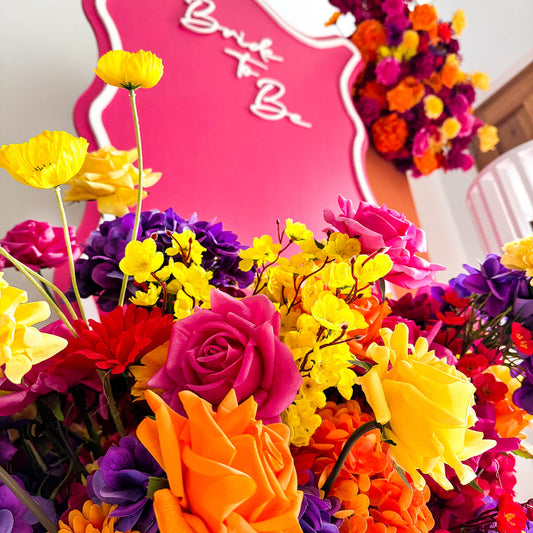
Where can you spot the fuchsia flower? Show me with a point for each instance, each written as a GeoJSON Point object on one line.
{"type": "Point", "coordinates": [380, 228]}
{"type": "Point", "coordinates": [235, 344]}
{"type": "Point", "coordinates": [388, 70]}
{"type": "Point", "coordinates": [38, 245]}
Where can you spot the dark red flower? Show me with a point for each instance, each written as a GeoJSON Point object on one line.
{"type": "Point", "coordinates": [522, 338]}
{"type": "Point", "coordinates": [451, 318]}
{"type": "Point", "coordinates": [488, 388]}
{"type": "Point", "coordinates": [121, 337]}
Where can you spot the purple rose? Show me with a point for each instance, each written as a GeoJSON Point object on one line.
{"type": "Point", "coordinates": [423, 65]}
{"type": "Point", "coordinates": [388, 70]}
{"type": "Point", "coordinates": [235, 344]}
{"type": "Point", "coordinates": [368, 110]}
{"type": "Point", "coordinates": [458, 105]}
{"type": "Point", "coordinates": [38, 245]}
{"type": "Point", "coordinates": [382, 228]}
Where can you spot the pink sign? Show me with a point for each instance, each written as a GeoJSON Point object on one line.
{"type": "Point", "coordinates": [251, 121]}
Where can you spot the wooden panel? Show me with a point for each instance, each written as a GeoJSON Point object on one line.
{"type": "Point", "coordinates": [511, 110]}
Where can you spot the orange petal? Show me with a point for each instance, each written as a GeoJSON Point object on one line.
{"type": "Point", "coordinates": [171, 518]}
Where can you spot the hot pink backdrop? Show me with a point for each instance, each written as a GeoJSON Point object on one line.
{"type": "Point", "coordinates": [217, 157]}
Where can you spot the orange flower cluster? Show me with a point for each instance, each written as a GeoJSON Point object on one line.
{"type": "Point", "coordinates": [405, 95]}
{"type": "Point", "coordinates": [93, 518]}
{"type": "Point", "coordinates": [368, 484]}
{"type": "Point", "coordinates": [368, 37]}
{"type": "Point", "coordinates": [389, 133]}
{"type": "Point", "coordinates": [226, 470]}
{"type": "Point", "coordinates": [424, 18]}
{"type": "Point", "coordinates": [427, 162]}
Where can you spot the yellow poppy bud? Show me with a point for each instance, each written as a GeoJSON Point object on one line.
{"type": "Point", "coordinates": [130, 70]}
{"type": "Point", "coordinates": [450, 128]}
{"type": "Point", "coordinates": [488, 137]}
{"type": "Point", "coordinates": [459, 22]}
{"type": "Point", "coordinates": [433, 106]}
{"type": "Point", "coordinates": [480, 80]}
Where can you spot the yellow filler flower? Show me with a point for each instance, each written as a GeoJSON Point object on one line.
{"type": "Point", "coordinates": [21, 345]}
{"type": "Point", "coordinates": [130, 70]}
{"type": "Point", "coordinates": [426, 406]}
{"type": "Point", "coordinates": [45, 161]}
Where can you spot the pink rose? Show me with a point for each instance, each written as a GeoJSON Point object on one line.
{"type": "Point", "coordinates": [382, 228]}
{"type": "Point", "coordinates": [388, 71]}
{"type": "Point", "coordinates": [235, 345]}
{"type": "Point", "coordinates": [38, 245]}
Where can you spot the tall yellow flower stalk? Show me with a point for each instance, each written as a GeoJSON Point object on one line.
{"type": "Point", "coordinates": [131, 71]}
{"type": "Point", "coordinates": [46, 162]}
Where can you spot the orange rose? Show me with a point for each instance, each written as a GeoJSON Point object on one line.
{"type": "Point", "coordinates": [427, 162]}
{"type": "Point", "coordinates": [389, 133]}
{"type": "Point", "coordinates": [368, 37]}
{"type": "Point", "coordinates": [226, 470]}
{"type": "Point", "coordinates": [405, 95]}
{"type": "Point", "coordinates": [424, 17]}
{"type": "Point", "coordinates": [450, 71]}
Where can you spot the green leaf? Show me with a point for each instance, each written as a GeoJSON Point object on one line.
{"type": "Point", "coordinates": [155, 484]}
{"type": "Point", "coordinates": [401, 472]}
{"type": "Point", "coordinates": [523, 453]}
{"type": "Point", "coordinates": [319, 245]}
{"type": "Point", "coordinates": [382, 289]}
{"type": "Point", "coordinates": [475, 486]}
{"type": "Point", "coordinates": [53, 402]}
{"type": "Point", "coordinates": [362, 364]}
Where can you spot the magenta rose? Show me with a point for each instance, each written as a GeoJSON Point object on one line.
{"type": "Point", "coordinates": [382, 228]}
{"type": "Point", "coordinates": [388, 71]}
{"type": "Point", "coordinates": [235, 344]}
{"type": "Point", "coordinates": [38, 245]}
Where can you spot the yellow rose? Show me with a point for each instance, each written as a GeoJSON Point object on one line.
{"type": "Point", "coordinates": [426, 407]}
{"type": "Point", "coordinates": [109, 177]}
{"type": "Point", "coordinates": [518, 254]}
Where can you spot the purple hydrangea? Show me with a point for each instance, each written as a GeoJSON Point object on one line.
{"type": "Point", "coordinates": [523, 396]}
{"type": "Point", "coordinates": [493, 280]}
{"type": "Point", "coordinates": [122, 480]}
{"type": "Point", "coordinates": [98, 271]}
{"type": "Point", "coordinates": [316, 514]}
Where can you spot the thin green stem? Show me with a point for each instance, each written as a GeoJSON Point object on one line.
{"type": "Point", "coordinates": [58, 291]}
{"type": "Point", "coordinates": [111, 403]}
{"type": "Point", "coordinates": [69, 251]}
{"type": "Point", "coordinates": [139, 188]}
{"type": "Point", "coordinates": [31, 275]}
{"type": "Point", "coordinates": [25, 499]}
{"type": "Point", "coordinates": [352, 439]}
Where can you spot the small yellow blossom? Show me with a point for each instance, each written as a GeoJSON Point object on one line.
{"type": "Point", "coordinates": [22, 345]}
{"type": "Point", "coordinates": [488, 137]}
{"type": "Point", "coordinates": [186, 245]}
{"type": "Point", "coordinates": [369, 270]}
{"type": "Point", "coordinates": [480, 80]}
{"type": "Point", "coordinates": [296, 231]}
{"type": "Point", "coordinates": [458, 22]}
{"type": "Point", "coordinates": [263, 251]}
{"type": "Point", "coordinates": [130, 70]}
{"type": "Point", "coordinates": [149, 298]}
{"type": "Point", "coordinates": [341, 247]}
{"type": "Point", "coordinates": [183, 305]}
{"type": "Point", "coordinates": [450, 128]}
{"type": "Point", "coordinates": [333, 313]}
{"type": "Point", "coordinates": [518, 254]}
{"type": "Point", "coordinates": [433, 106]}
{"type": "Point", "coordinates": [302, 420]}
{"type": "Point", "coordinates": [193, 281]}
{"type": "Point", "coordinates": [141, 259]}
{"type": "Point", "coordinates": [109, 177]}
{"type": "Point", "coordinates": [45, 161]}
{"type": "Point", "coordinates": [338, 276]}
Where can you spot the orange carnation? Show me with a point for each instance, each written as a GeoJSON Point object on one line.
{"type": "Point", "coordinates": [450, 71]}
{"type": "Point", "coordinates": [424, 17]}
{"type": "Point", "coordinates": [405, 95]}
{"type": "Point", "coordinates": [427, 162]}
{"type": "Point", "coordinates": [368, 37]}
{"type": "Point", "coordinates": [93, 518]}
{"type": "Point", "coordinates": [389, 133]}
{"type": "Point", "coordinates": [368, 484]}
{"type": "Point", "coordinates": [226, 470]}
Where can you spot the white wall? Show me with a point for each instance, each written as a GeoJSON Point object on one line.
{"type": "Point", "coordinates": [47, 53]}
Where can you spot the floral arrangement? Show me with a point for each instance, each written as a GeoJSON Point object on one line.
{"type": "Point", "coordinates": [271, 388]}
{"type": "Point", "coordinates": [411, 94]}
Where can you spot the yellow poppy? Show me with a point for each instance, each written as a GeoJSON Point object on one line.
{"type": "Point", "coordinates": [45, 161]}
{"type": "Point", "coordinates": [130, 70]}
